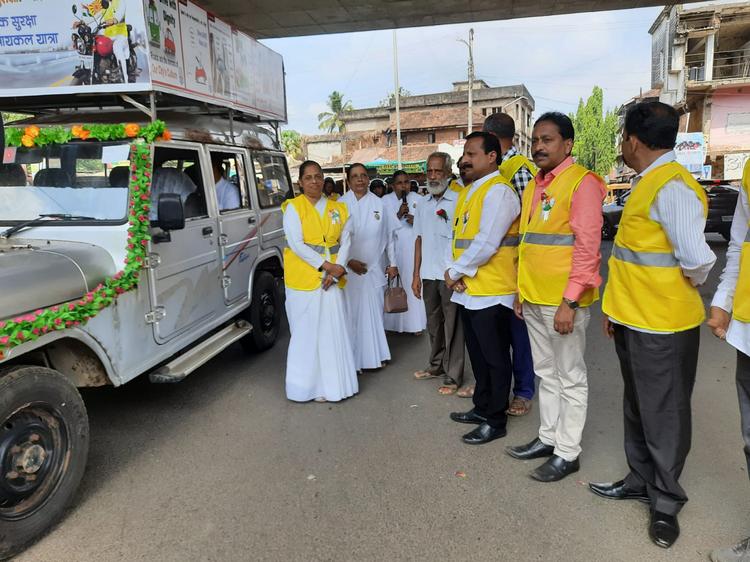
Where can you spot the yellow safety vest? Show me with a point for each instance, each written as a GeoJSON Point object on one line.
{"type": "Point", "coordinates": [318, 233]}
{"type": "Point", "coordinates": [741, 300]}
{"type": "Point", "coordinates": [646, 287]}
{"type": "Point", "coordinates": [510, 167]}
{"type": "Point", "coordinates": [498, 275]}
{"type": "Point", "coordinates": [546, 251]}
{"type": "Point", "coordinates": [455, 186]}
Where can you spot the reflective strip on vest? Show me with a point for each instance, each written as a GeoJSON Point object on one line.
{"type": "Point", "coordinates": [650, 259]}
{"type": "Point", "coordinates": [549, 239]}
{"type": "Point", "coordinates": [508, 241]}
{"type": "Point", "coordinates": [322, 249]}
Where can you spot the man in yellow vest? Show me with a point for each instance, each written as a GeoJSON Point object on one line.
{"type": "Point", "coordinates": [733, 297]}
{"type": "Point", "coordinates": [519, 171]}
{"type": "Point", "coordinates": [482, 275]}
{"type": "Point", "coordinates": [558, 279]}
{"type": "Point", "coordinates": [654, 312]}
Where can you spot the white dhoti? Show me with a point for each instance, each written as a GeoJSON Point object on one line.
{"type": "Point", "coordinates": [319, 363]}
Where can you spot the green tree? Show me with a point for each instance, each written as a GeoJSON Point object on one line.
{"type": "Point", "coordinates": [291, 142]}
{"type": "Point", "coordinates": [332, 120]}
{"type": "Point", "coordinates": [391, 99]}
{"type": "Point", "coordinates": [596, 133]}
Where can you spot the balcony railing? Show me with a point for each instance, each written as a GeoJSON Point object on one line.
{"type": "Point", "coordinates": [727, 65]}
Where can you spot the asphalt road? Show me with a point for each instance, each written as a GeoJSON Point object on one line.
{"type": "Point", "coordinates": [222, 467]}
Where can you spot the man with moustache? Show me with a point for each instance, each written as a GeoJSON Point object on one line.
{"type": "Point", "coordinates": [457, 184]}
{"type": "Point", "coordinates": [432, 253]}
{"type": "Point", "coordinates": [558, 278]}
{"type": "Point", "coordinates": [654, 311]}
{"type": "Point", "coordinates": [401, 206]}
{"type": "Point", "coordinates": [372, 239]}
{"type": "Point", "coordinates": [482, 274]}
{"type": "Point", "coordinates": [517, 169]}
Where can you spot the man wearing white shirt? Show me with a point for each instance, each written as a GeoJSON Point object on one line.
{"type": "Point", "coordinates": [483, 276]}
{"type": "Point", "coordinates": [227, 194]}
{"type": "Point", "coordinates": [732, 298]}
{"type": "Point", "coordinates": [654, 311]}
{"type": "Point", "coordinates": [432, 254]}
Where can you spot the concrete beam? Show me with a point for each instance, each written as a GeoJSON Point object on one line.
{"type": "Point", "coordinates": [291, 18]}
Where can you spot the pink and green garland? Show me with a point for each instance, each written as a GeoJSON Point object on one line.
{"type": "Point", "coordinates": [31, 326]}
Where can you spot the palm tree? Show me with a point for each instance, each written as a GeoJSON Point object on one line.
{"type": "Point", "coordinates": [291, 142]}
{"type": "Point", "coordinates": [334, 119]}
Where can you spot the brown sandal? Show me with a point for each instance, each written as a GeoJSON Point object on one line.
{"type": "Point", "coordinates": [448, 387]}
{"type": "Point", "coordinates": [424, 375]}
{"type": "Point", "coordinates": [519, 406]}
{"type": "Point", "coordinates": [466, 391]}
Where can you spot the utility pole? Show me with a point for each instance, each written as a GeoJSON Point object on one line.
{"type": "Point", "coordinates": [398, 99]}
{"type": "Point", "coordinates": [470, 45]}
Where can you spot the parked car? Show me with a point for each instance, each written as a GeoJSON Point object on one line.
{"type": "Point", "coordinates": [722, 199]}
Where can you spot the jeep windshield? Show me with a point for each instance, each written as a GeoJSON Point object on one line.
{"type": "Point", "coordinates": [70, 182]}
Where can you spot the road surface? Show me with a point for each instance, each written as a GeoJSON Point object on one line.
{"type": "Point", "coordinates": [222, 467]}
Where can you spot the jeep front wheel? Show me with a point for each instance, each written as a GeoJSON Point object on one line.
{"type": "Point", "coordinates": [44, 443]}
{"type": "Point", "coordinates": [264, 314]}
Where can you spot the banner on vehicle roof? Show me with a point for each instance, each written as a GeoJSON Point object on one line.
{"type": "Point", "coordinates": [52, 47]}
{"type": "Point", "coordinates": [198, 55]}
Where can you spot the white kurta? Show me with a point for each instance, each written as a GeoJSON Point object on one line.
{"type": "Point", "coordinates": [415, 319]}
{"type": "Point", "coordinates": [371, 238]}
{"type": "Point", "coordinates": [320, 361]}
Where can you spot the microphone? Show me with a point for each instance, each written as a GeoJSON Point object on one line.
{"type": "Point", "coordinates": [403, 196]}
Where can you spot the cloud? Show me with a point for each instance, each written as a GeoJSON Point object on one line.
{"type": "Point", "coordinates": [559, 58]}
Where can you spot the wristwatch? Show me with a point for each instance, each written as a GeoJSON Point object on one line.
{"type": "Point", "coordinates": [573, 305]}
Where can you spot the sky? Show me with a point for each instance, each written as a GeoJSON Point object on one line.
{"type": "Point", "coordinates": [559, 59]}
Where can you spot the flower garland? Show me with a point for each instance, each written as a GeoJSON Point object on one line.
{"type": "Point", "coordinates": [29, 327]}
{"type": "Point", "coordinates": [35, 136]}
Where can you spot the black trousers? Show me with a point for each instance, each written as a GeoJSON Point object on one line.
{"type": "Point", "coordinates": [659, 374]}
{"type": "Point", "coordinates": [743, 395]}
{"type": "Point", "coordinates": [488, 336]}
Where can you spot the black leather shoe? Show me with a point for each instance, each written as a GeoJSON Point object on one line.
{"type": "Point", "coordinates": [534, 450]}
{"type": "Point", "coordinates": [664, 529]}
{"type": "Point", "coordinates": [484, 433]}
{"type": "Point", "coordinates": [618, 491]}
{"type": "Point", "coordinates": [556, 468]}
{"type": "Point", "coordinates": [468, 417]}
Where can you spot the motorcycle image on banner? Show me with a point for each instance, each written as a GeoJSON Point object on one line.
{"type": "Point", "coordinates": [105, 46]}
{"type": "Point", "coordinates": [54, 46]}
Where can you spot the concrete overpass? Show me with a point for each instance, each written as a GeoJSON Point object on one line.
{"type": "Point", "coordinates": [289, 18]}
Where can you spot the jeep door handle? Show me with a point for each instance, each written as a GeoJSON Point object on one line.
{"type": "Point", "coordinates": [207, 230]}
{"type": "Point", "coordinates": [251, 220]}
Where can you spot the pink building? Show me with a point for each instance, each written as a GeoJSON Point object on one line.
{"type": "Point", "coordinates": [701, 65]}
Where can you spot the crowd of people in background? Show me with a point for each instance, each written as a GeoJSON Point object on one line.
{"type": "Point", "coordinates": [503, 263]}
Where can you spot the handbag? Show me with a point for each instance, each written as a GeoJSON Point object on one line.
{"type": "Point", "coordinates": [395, 296]}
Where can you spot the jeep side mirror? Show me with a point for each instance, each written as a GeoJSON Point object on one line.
{"type": "Point", "coordinates": [75, 9]}
{"type": "Point", "coordinates": [171, 216]}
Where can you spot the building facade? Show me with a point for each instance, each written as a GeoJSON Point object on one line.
{"type": "Point", "coordinates": [428, 123]}
{"type": "Point", "coordinates": [701, 66]}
